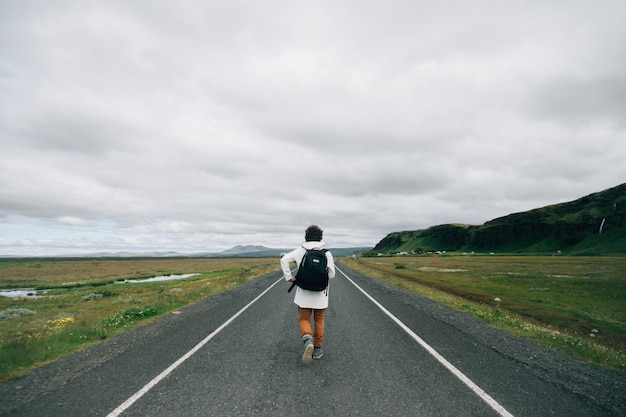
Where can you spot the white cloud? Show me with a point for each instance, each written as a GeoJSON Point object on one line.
{"type": "Point", "coordinates": [71, 221]}
{"type": "Point", "coordinates": [201, 125]}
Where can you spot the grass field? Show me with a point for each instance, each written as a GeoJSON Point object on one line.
{"type": "Point", "coordinates": [573, 304]}
{"type": "Point", "coordinates": [84, 304]}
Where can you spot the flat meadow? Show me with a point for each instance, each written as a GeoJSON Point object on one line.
{"type": "Point", "coordinates": [76, 303]}
{"type": "Point", "coordinates": [576, 305]}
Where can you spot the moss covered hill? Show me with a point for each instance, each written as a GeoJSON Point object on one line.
{"type": "Point", "coordinates": [592, 225]}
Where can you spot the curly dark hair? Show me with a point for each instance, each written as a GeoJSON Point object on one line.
{"type": "Point", "coordinates": [313, 233]}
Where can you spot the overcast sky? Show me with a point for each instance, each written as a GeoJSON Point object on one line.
{"type": "Point", "coordinates": [200, 125]}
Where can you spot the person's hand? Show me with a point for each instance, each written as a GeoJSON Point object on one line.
{"type": "Point", "coordinates": [293, 279]}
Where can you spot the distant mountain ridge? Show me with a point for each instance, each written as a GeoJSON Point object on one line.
{"type": "Point", "coordinates": [592, 225]}
{"type": "Point", "coordinates": [262, 251]}
{"type": "Point", "coordinates": [245, 249]}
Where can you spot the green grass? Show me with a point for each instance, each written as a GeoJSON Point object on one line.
{"type": "Point", "coordinates": [573, 304]}
{"type": "Point", "coordinates": [85, 305]}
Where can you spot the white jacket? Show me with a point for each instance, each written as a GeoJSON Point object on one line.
{"type": "Point", "coordinates": [306, 298]}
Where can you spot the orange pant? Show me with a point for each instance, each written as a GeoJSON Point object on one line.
{"type": "Point", "coordinates": [305, 324]}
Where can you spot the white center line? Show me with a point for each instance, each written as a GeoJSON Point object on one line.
{"type": "Point", "coordinates": [468, 382]}
{"type": "Point", "coordinates": [119, 410]}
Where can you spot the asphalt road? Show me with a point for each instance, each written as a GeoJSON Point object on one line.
{"type": "Point", "coordinates": [215, 359]}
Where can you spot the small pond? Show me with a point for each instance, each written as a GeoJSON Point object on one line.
{"type": "Point", "coordinates": [21, 293]}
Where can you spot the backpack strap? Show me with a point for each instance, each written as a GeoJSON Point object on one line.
{"type": "Point", "coordinates": [293, 284]}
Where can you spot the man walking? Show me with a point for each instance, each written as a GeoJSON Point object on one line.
{"type": "Point", "coordinates": [311, 303]}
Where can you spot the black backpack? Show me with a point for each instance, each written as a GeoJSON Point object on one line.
{"type": "Point", "coordinates": [312, 274]}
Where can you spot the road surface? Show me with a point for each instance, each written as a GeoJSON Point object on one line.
{"type": "Point", "coordinates": [386, 353]}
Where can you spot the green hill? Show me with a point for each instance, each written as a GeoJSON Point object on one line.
{"type": "Point", "coordinates": [592, 225]}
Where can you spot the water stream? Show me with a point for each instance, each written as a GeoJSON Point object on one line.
{"type": "Point", "coordinates": [160, 278]}
{"type": "Point", "coordinates": [31, 292]}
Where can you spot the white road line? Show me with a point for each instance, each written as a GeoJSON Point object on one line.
{"type": "Point", "coordinates": [482, 394]}
{"type": "Point", "coordinates": [119, 410]}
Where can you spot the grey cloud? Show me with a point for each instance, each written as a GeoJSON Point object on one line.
{"type": "Point", "coordinates": [583, 101]}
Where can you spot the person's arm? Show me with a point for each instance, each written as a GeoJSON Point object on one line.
{"type": "Point", "coordinates": [285, 262]}
{"type": "Point", "coordinates": [330, 265]}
